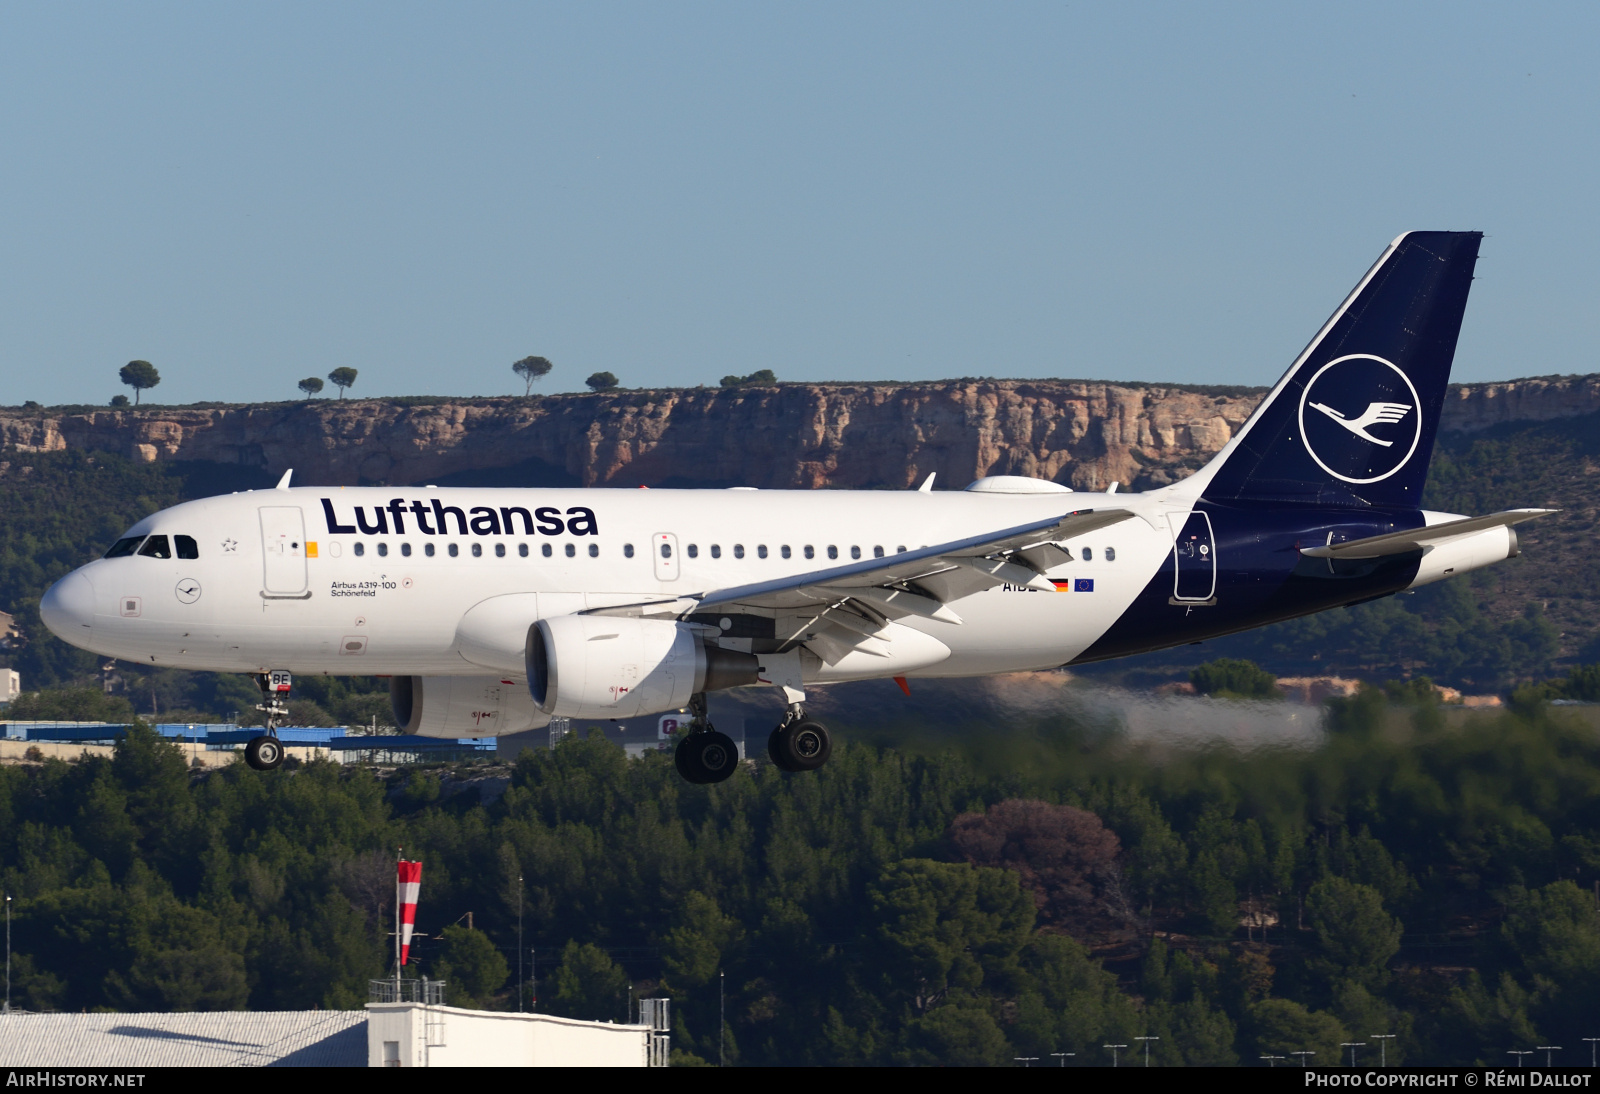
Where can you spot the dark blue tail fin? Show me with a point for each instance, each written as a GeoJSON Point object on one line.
{"type": "Point", "coordinates": [1353, 421]}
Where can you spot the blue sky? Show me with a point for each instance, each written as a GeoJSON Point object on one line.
{"type": "Point", "coordinates": [249, 194]}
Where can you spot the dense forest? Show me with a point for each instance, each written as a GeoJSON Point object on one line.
{"type": "Point", "coordinates": [1420, 872]}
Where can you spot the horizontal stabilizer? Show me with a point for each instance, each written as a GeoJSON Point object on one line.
{"type": "Point", "coordinates": [1418, 539]}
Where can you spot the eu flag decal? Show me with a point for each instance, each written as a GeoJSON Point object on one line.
{"type": "Point", "coordinates": [1083, 585]}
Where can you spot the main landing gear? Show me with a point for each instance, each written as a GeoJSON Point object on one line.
{"type": "Point", "coordinates": [266, 753]}
{"type": "Point", "coordinates": [704, 755]}
{"type": "Point", "coordinates": [799, 744]}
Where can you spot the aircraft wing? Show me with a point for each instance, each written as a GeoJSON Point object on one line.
{"type": "Point", "coordinates": [861, 599]}
{"type": "Point", "coordinates": [1400, 543]}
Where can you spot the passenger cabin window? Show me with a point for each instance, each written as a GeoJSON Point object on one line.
{"type": "Point", "coordinates": [761, 550]}
{"type": "Point", "coordinates": [833, 552]}
{"type": "Point", "coordinates": [522, 549]}
{"type": "Point", "coordinates": [1088, 554]}
{"type": "Point", "coordinates": [811, 552]}
{"type": "Point", "coordinates": [900, 550]}
{"type": "Point", "coordinates": [1111, 554]}
{"type": "Point", "coordinates": [405, 549]}
{"type": "Point", "coordinates": [427, 549]}
{"type": "Point", "coordinates": [784, 550]}
{"type": "Point", "coordinates": [855, 552]}
{"type": "Point", "coordinates": [124, 547]}
{"type": "Point", "coordinates": [454, 550]}
{"type": "Point", "coordinates": [694, 550]}
{"type": "Point", "coordinates": [572, 551]}
{"type": "Point", "coordinates": [666, 550]}
{"type": "Point", "coordinates": [738, 550]}
{"type": "Point", "coordinates": [156, 547]}
{"type": "Point", "coordinates": [716, 550]}
{"type": "Point", "coordinates": [544, 549]}
{"type": "Point", "coordinates": [499, 550]}
{"type": "Point", "coordinates": [627, 550]}
{"type": "Point", "coordinates": [877, 552]}
{"type": "Point", "coordinates": [360, 548]}
{"type": "Point", "coordinates": [187, 547]}
{"type": "Point", "coordinates": [383, 550]}
{"type": "Point", "coordinates": [477, 550]}
{"type": "Point", "coordinates": [594, 550]}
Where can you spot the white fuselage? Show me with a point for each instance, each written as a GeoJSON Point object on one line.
{"type": "Point", "coordinates": [259, 597]}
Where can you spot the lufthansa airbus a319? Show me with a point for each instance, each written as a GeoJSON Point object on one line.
{"type": "Point", "coordinates": [494, 610]}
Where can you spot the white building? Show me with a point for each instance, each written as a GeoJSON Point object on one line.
{"type": "Point", "coordinates": [10, 685]}
{"type": "Point", "coordinates": [384, 1035]}
{"type": "Point", "coordinates": [419, 1035]}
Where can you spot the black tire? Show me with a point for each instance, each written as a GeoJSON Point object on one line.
{"type": "Point", "coordinates": [264, 753]}
{"type": "Point", "coordinates": [803, 746]}
{"type": "Point", "coordinates": [686, 758]}
{"type": "Point", "coordinates": [706, 757]}
{"type": "Point", "coordinates": [775, 752]}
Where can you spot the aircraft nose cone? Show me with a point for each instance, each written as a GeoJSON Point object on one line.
{"type": "Point", "coordinates": [68, 607]}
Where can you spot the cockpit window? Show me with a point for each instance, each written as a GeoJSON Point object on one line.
{"type": "Point", "coordinates": [156, 547]}
{"type": "Point", "coordinates": [124, 547]}
{"type": "Point", "coordinates": [187, 548]}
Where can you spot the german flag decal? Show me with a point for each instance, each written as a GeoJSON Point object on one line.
{"type": "Point", "coordinates": [1062, 586]}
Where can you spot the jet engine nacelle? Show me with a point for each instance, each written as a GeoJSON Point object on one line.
{"type": "Point", "coordinates": [595, 666]}
{"type": "Point", "coordinates": [463, 706]}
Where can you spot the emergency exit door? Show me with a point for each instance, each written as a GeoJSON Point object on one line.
{"type": "Point", "coordinates": [664, 549]}
{"type": "Point", "coordinates": [1194, 558]}
{"type": "Point", "coordinates": [283, 550]}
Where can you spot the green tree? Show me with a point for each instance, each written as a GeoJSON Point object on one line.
{"type": "Point", "coordinates": [961, 1034]}
{"type": "Point", "coordinates": [139, 375]}
{"type": "Point", "coordinates": [589, 985]}
{"type": "Point", "coordinates": [342, 378]}
{"type": "Point", "coordinates": [1282, 1026]}
{"type": "Point", "coordinates": [119, 400]}
{"type": "Point", "coordinates": [764, 377]}
{"type": "Point", "coordinates": [1555, 933]}
{"type": "Point", "coordinates": [693, 951]}
{"type": "Point", "coordinates": [311, 385]}
{"type": "Point", "coordinates": [601, 381]}
{"type": "Point", "coordinates": [472, 965]}
{"type": "Point", "coordinates": [1356, 935]}
{"type": "Point", "coordinates": [943, 926]}
{"type": "Point", "coordinates": [70, 704]}
{"type": "Point", "coordinates": [531, 369]}
{"type": "Point", "coordinates": [1229, 678]}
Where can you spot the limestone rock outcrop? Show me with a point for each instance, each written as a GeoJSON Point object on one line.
{"type": "Point", "coordinates": [1086, 434]}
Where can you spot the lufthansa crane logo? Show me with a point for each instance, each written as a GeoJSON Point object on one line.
{"type": "Point", "coordinates": [1365, 421]}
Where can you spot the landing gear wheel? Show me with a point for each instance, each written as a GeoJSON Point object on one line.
{"type": "Point", "coordinates": [707, 757]}
{"type": "Point", "coordinates": [775, 750]}
{"type": "Point", "coordinates": [264, 753]}
{"type": "Point", "coordinates": [800, 746]}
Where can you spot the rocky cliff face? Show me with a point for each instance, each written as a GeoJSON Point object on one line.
{"type": "Point", "coordinates": [1085, 434]}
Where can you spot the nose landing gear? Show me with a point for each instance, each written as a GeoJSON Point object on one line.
{"type": "Point", "coordinates": [266, 753]}
{"type": "Point", "coordinates": [704, 755]}
{"type": "Point", "coordinates": [799, 744]}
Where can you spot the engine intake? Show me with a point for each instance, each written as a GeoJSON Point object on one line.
{"type": "Point", "coordinates": [593, 666]}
